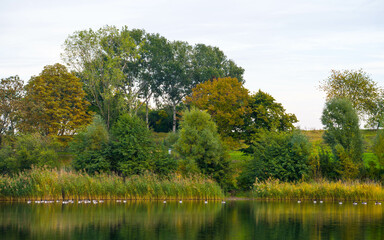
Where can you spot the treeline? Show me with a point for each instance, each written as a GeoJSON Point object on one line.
{"type": "Point", "coordinates": [100, 112]}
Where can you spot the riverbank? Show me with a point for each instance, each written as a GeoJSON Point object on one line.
{"type": "Point", "coordinates": [45, 184]}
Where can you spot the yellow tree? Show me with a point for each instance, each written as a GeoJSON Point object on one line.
{"type": "Point", "coordinates": [55, 103]}
{"type": "Point", "coordinates": [226, 100]}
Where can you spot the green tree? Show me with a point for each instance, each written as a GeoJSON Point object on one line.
{"type": "Point", "coordinates": [280, 155]}
{"type": "Point", "coordinates": [266, 114]}
{"type": "Point", "coordinates": [107, 61]}
{"type": "Point", "coordinates": [90, 147]}
{"type": "Point", "coordinates": [55, 103]}
{"type": "Point", "coordinates": [354, 85]}
{"type": "Point", "coordinates": [226, 100]}
{"type": "Point", "coordinates": [11, 94]}
{"type": "Point", "coordinates": [200, 148]}
{"type": "Point", "coordinates": [133, 150]}
{"type": "Point", "coordinates": [342, 133]}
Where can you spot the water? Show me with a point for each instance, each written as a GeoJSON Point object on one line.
{"type": "Point", "coordinates": [191, 220]}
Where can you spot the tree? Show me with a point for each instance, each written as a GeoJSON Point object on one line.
{"type": "Point", "coordinates": [280, 155]}
{"type": "Point", "coordinates": [54, 103]}
{"type": "Point", "coordinates": [107, 62]}
{"type": "Point", "coordinates": [11, 94]}
{"type": "Point", "coordinates": [226, 100]}
{"type": "Point", "coordinates": [90, 147]}
{"type": "Point", "coordinates": [200, 147]}
{"type": "Point", "coordinates": [342, 133]}
{"type": "Point", "coordinates": [354, 85]}
{"type": "Point", "coordinates": [133, 150]}
{"type": "Point", "coordinates": [266, 114]}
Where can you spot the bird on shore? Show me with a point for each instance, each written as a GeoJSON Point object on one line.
{"type": "Point", "coordinates": [321, 201]}
{"type": "Point", "coordinates": [314, 201]}
{"type": "Point", "coordinates": [354, 203]}
{"type": "Point", "coordinates": [223, 202]}
{"type": "Point", "coordinates": [377, 203]}
{"type": "Point", "coordinates": [340, 202]}
{"type": "Point", "coordinates": [180, 201]}
{"type": "Point", "coordinates": [298, 201]}
{"type": "Point", "coordinates": [164, 201]}
{"type": "Point", "coordinates": [205, 201]}
{"type": "Point", "coordinates": [364, 203]}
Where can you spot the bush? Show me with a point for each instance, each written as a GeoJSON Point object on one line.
{"type": "Point", "coordinates": [28, 150]}
{"type": "Point", "coordinates": [201, 149]}
{"type": "Point", "coordinates": [91, 147]}
{"type": "Point", "coordinates": [280, 155]}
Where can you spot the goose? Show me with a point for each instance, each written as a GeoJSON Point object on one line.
{"type": "Point", "coordinates": [321, 201]}
{"type": "Point", "coordinates": [101, 201]}
{"type": "Point", "coordinates": [377, 203]}
{"type": "Point", "coordinates": [164, 201]}
{"type": "Point", "coordinates": [205, 201]}
{"type": "Point", "coordinates": [314, 201]}
{"type": "Point", "coordinates": [223, 202]}
{"type": "Point", "coordinates": [364, 203]}
{"type": "Point", "coordinates": [29, 202]}
{"type": "Point", "coordinates": [298, 201]}
{"type": "Point", "coordinates": [180, 201]}
{"type": "Point", "coordinates": [354, 203]}
{"type": "Point", "coordinates": [340, 202]}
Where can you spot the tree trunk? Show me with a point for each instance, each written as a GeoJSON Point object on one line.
{"type": "Point", "coordinates": [174, 118]}
{"type": "Point", "coordinates": [146, 114]}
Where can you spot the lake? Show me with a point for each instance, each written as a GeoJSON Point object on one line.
{"type": "Point", "coordinates": [191, 220]}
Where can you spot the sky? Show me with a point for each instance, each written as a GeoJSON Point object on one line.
{"type": "Point", "coordinates": [286, 47]}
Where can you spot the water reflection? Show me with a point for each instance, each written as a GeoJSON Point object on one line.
{"type": "Point", "coordinates": [191, 220]}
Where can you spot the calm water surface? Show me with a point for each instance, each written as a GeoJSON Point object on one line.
{"type": "Point", "coordinates": [192, 220]}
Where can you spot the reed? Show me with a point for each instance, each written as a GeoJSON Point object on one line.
{"type": "Point", "coordinates": [322, 189]}
{"type": "Point", "coordinates": [48, 184]}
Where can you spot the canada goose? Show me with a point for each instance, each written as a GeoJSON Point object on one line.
{"type": "Point", "coordinates": [314, 201]}
{"type": "Point", "coordinates": [340, 202]}
{"type": "Point", "coordinates": [298, 201]}
{"type": "Point", "coordinates": [354, 203]}
{"type": "Point", "coordinates": [321, 201]}
{"type": "Point", "coordinates": [180, 201]}
{"type": "Point", "coordinates": [29, 202]}
{"type": "Point", "coordinates": [364, 203]}
{"type": "Point", "coordinates": [377, 203]}
{"type": "Point", "coordinates": [164, 201]}
{"type": "Point", "coordinates": [223, 202]}
{"type": "Point", "coordinates": [205, 201]}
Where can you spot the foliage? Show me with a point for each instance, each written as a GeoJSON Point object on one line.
{"type": "Point", "coordinates": [90, 147]}
{"type": "Point", "coordinates": [280, 155]}
{"type": "Point", "coordinates": [42, 183]}
{"type": "Point", "coordinates": [11, 94]}
{"type": "Point", "coordinates": [354, 85]}
{"type": "Point", "coordinates": [226, 100]}
{"type": "Point", "coordinates": [321, 189]}
{"type": "Point", "coordinates": [342, 133]}
{"type": "Point", "coordinates": [28, 150]}
{"type": "Point", "coordinates": [267, 114]}
{"type": "Point", "coordinates": [106, 61]}
{"type": "Point", "coordinates": [132, 149]}
{"type": "Point", "coordinates": [54, 103]}
{"type": "Point", "coordinates": [200, 147]}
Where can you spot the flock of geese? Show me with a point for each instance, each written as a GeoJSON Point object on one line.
{"type": "Point", "coordinates": [340, 202]}
{"type": "Point", "coordinates": [91, 201]}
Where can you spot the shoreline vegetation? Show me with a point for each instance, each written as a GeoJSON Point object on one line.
{"type": "Point", "coordinates": [46, 184]}
{"type": "Point", "coordinates": [350, 190]}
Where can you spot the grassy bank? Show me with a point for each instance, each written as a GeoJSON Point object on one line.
{"type": "Point", "coordinates": [324, 190]}
{"type": "Point", "coordinates": [38, 184]}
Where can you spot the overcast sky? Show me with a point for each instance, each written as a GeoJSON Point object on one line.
{"type": "Point", "coordinates": [285, 47]}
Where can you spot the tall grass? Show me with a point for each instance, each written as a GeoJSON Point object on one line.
{"type": "Point", "coordinates": [340, 190]}
{"type": "Point", "coordinates": [38, 184]}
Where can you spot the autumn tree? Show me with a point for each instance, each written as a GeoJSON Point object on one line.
{"type": "Point", "coordinates": [55, 103]}
{"type": "Point", "coordinates": [226, 100]}
{"type": "Point", "coordinates": [354, 85]}
{"type": "Point", "coordinates": [11, 94]}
